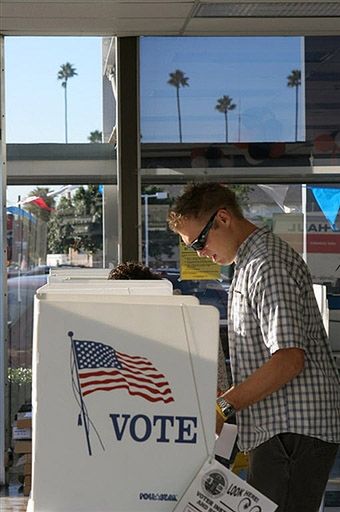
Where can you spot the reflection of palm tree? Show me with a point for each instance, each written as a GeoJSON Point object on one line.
{"type": "Point", "coordinates": [225, 104]}
{"type": "Point", "coordinates": [65, 72]}
{"type": "Point", "coordinates": [95, 136]}
{"type": "Point", "coordinates": [178, 79]}
{"type": "Point", "coordinates": [294, 80]}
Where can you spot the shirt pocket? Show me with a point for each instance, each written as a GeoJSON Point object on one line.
{"type": "Point", "coordinates": [239, 312]}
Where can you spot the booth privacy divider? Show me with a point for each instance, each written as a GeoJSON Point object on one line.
{"type": "Point", "coordinates": [123, 397]}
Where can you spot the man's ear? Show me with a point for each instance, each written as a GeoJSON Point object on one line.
{"type": "Point", "coordinates": [224, 216]}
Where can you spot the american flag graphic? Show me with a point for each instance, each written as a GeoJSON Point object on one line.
{"type": "Point", "coordinates": [102, 368]}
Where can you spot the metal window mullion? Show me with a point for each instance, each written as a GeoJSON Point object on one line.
{"type": "Point", "coordinates": [128, 149]}
{"type": "Point", "coordinates": [3, 273]}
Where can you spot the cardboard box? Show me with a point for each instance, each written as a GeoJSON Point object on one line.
{"type": "Point", "coordinates": [27, 469]}
{"type": "Point", "coordinates": [24, 423]}
{"type": "Point", "coordinates": [27, 485]}
{"type": "Point", "coordinates": [21, 433]}
{"type": "Point", "coordinates": [24, 415]}
{"type": "Point", "coordinates": [23, 446]}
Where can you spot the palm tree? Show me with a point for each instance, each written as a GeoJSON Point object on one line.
{"type": "Point", "coordinates": [178, 79]}
{"type": "Point", "coordinates": [65, 72]}
{"type": "Point", "coordinates": [95, 136]}
{"type": "Point", "coordinates": [224, 105]}
{"type": "Point", "coordinates": [294, 80]}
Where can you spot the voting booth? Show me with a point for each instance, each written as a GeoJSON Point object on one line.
{"type": "Point", "coordinates": [320, 293]}
{"type": "Point", "coordinates": [68, 273]}
{"type": "Point", "coordinates": [107, 287]}
{"type": "Point", "coordinates": [124, 387]}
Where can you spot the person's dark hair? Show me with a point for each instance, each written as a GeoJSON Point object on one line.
{"type": "Point", "coordinates": [202, 200]}
{"type": "Point", "coordinates": [132, 270]}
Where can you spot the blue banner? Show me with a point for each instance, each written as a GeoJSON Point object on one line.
{"type": "Point", "coordinates": [21, 213]}
{"type": "Point", "coordinates": [328, 200]}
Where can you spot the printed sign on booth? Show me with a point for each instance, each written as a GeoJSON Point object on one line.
{"type": "Point", "coordinates": [216, 489]}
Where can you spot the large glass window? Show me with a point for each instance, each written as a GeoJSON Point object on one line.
{"type": "Point", "coordinates": [222, 89]}
{"type": "Point", "coordinates": [245, 106]}
{"type": "Point", "coordinates": [49, 227]}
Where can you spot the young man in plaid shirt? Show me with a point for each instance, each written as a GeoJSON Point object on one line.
{"type": "Point", "coordinates": [286, 387]}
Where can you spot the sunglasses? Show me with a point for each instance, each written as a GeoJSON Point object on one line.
{"type": "Point", "coordinates": [199, 243]}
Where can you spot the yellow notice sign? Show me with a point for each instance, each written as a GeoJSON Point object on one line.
{"type": "Point", "coordinates": [194, 267]}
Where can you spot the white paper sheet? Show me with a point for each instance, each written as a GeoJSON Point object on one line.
{"type": "Point", "coordinates": [226, 440]}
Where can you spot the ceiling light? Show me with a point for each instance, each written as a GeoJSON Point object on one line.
{"type": "Point", "coordinates": [268, 10]}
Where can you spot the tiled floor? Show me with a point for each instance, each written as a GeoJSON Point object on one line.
{"type": "Point", "coordinates": [13, 504]}
{"type": "Point", "coordinates": [12, 500]}
{"type": "Point", "coordinates": [19, 504]}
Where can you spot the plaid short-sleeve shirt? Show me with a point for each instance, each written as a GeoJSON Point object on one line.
{"type": "Point", "coordinates": [272, 306]}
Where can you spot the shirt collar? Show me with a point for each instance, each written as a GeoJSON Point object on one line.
{"type": "Point", "coordinates": [250, 241]}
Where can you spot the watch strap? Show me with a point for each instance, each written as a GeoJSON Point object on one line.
{"type": "Point", "coordinates": [227, 410]}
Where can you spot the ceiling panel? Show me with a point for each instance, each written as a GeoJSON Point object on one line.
{"type": "Point", "coordinates": [265, 26]}
{"type": "Point", "coordinates": [88, 26]}
{"type": "Point", "coordinates": [85, 3]}
{"type": "Point", "coordinates": [270, 8]}
{"type": "Point", "coordinates": [151, 26]}
{"type": "Point", "coordinates": [101, 17]}
{"type": "Point", "coordinates": [94, 10]}
{"type": "Point", "coordinates": [144, 17]}
{"type": "Point", "coordinates": [261, 1]}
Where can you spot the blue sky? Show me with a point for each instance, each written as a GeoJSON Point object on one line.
{"type": "Point", "coordinates": [251, 70]}
{"type": "Point", "coordinates": [34, 96]}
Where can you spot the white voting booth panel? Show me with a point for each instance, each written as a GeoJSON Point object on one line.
{"type": "Point", "coordinates": [112, 283]}
{"type": "Point", "coordinates": [334, 329]}
{"type": "Point", "coordinates": [110, 287]}
{"type": "Point", "coordinates": [135, 447]}
{"type": "Point", "coordinates": [163, 285]}
{"type": "Point", "coordinates": [127, 298]}
{"type": "Point", "coordinates": [60, 274]}
{"type": "Point", "coordinates": [44, 292]}
{"type": "Point", "coordinates": [320, 293]}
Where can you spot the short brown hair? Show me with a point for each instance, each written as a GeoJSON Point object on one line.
{"type": "Point", "coordinates": [132, 270]}
{"type": "Point", "coordinates": [202, 199]}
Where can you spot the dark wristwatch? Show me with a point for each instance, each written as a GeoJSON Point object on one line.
{"type": "Point", "coordinates": [226, 408]}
